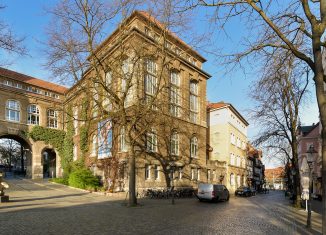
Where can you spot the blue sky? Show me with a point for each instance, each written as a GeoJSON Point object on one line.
{"type": "Point", "coordinates": [28, 18]}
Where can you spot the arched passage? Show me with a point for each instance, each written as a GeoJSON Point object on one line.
{"type": "Point", "coordinates": [16, 156]}
{"type": "Point", "coordinates": [49, 161]}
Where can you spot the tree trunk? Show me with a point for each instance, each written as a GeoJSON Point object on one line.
{"type": "Point", "coordinates": [167, 177]}
{"type": "Point", "coordinates": [132, 180]}
{"type": "Point", "coordinates": [22, 159]}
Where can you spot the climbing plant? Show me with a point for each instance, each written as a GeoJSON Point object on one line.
{"type": "Point", "coordinates": [68, 144]}
{"type": "Point", "coordinates": [49, 136]}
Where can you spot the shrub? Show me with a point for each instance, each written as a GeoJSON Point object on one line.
{"type": "Point", "coordinates": [84, 179]}
{"type": "Point", "coordinates": [60, 180]}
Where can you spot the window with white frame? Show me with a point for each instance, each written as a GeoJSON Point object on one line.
{"type": "Point", "coordinates": [232, 159]}
{"type": "Point", "coordinates": [123, 145]}
{"type": "Point", "coordinates": [126, 82]}
{"type": "Point", "coordinates": [208, 175]}
{"type": "Point", "coordinates": [147, 171]}
{"type": "Point", "coordinates": [233, 139]}
{"type": "Point", "coordinates": [174, 145]}
{"type": "Point", "coordinates": [198, 174]}
{"type": "Point", "coordinates": [33, 113]}
{"type": "Point", "coordinates": [194, 147]}
{"type": "Point", "coordinates": [12, 110]}
{"type": "Point", "coordinates": [238, 143]}
{"type": "Point", "coordinates": [175, 100]}
{"type": "Point", "coordinates": [150, 80]}
{"type": "Point", "coordinates": [180, 173]}
{"type": "Point", "coordinates": [156, 172]}
{"type": "Point", "coordinates": [232, 179]}
{"type": "Point", "coordinates": [108, 78]}
{"type": "Point", "coordinates": [94, 145]}
{"type": "Point", "coordinates": [193, 99]}
{"type": "Point", "coordinates": [238, 180]}
{"type": "Point", "coordinates": [238, 161]}
{"type": "Point", "coordinates": [151, 141]}
{"type": "Point", "coordinates": [52, 118]}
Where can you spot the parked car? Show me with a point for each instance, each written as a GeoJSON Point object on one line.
{"type": "Point", "coordinates": [212, 192]}
{"type": "Point", "coordinates": [244, 191]}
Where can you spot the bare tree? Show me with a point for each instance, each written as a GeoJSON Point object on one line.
{"type": "Point", "coordinates": [9, 42]}
{"type": "Point", "coordinates": [296, 26]}
{"type": "Point", "coordinates": [10, 152]}
{"type": "Point", "coordinates": [113, 84]}
{"type": "Point", "coordinates": [278, 96]}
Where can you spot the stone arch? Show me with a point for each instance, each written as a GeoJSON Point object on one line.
{"type": "Point", "coordinates": [49, 162]}
{"type": "Point", "coordinates": [26, 150]}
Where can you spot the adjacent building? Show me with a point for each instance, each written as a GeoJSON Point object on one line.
{"type": "Point", "coordinates": [276, 178]}
{"type": "Point", "coordinates": [310, 136]}
{"type": "Point", "coordinates": [227, 142]}
{"type": "Point", "coordinates": [255, 168]}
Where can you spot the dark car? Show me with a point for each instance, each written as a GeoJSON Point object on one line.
{"type": "Point", "coordinates": [244, 191]}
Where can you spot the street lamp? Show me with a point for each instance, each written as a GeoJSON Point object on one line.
{"type": "Point", "coordinates": [310, 159]}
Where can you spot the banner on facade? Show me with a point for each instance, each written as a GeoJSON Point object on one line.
{"type": "Point", "coordinates": [104, 139]}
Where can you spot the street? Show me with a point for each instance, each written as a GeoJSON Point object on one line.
{"type": "Point", "coordinates": [41, 207]}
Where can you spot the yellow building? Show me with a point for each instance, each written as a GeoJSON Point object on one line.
{"type": "Point", "coordinates": [227, 139]}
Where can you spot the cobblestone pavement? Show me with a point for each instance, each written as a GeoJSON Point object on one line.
{"type": "Point", "coordinates": [40, 207]}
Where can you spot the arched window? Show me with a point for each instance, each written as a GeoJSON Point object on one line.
{"type": "Point", "coordinates": [33, 115]}
{"type": "Point", "coordinates": [194, 147]}
{"type": "Point", "coordinates": [174, 146]}
{"type": "Point", "coordinates": [13, 110]}
{"type": "Point", "coordinates": [150, 81]}
{"type": "Point", "coordinates": [52, 118]}
{"type": "Point", "coordinates": [238, 180]}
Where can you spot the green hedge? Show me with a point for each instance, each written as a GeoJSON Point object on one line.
{"type": "Point", "coordinates": [84, 179]}
{"type": "Point", "coordinates": [60, 180]}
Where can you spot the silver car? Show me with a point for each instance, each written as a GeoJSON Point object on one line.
{"type": "Point", "coordinates": [212, 192]}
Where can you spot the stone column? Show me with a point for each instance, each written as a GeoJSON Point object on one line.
{"type": "Point", "coordinates": [37, 167]}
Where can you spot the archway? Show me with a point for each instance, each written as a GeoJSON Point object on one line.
{"type": "Point", "coordinates": [16, 157]}
{"type": "Point", "coordinates": [49, 160]}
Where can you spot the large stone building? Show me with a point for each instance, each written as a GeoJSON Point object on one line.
{"type": "Point", "coordinates": [27, 101]}
{"type": "Point", "coordinates": [227, 138]}
{"type": "Point", "coordinates": [141, 77]}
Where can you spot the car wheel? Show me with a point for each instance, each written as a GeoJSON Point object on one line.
{"type": "Point", "coordinates": [228, 197]}
{"type": "Point", "coordinates": [247, 194]}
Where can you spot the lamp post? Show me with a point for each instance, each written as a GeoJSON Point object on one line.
{"type": "Point", "coordinates": [310, 158]}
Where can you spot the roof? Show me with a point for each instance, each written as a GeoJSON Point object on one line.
{"type": "Point", "coordinates": [32, 81]}
{"type": "Point", "coordinates": [305, 130]}
{"type": "Point", "coordinates": [277, 172]}
{"type": "Point", "coordinates": [221, 104]}
{"type": "Point", "coordinates": [147, 16]}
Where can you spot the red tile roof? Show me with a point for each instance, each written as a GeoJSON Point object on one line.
{"type": "Point", "coordinates": [32, 81]}
{"type": "Point", "coordinates": [276, 172]}
{"type": "Point", "coordinates": [217, 105]}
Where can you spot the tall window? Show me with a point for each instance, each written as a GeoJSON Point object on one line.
{"type": "Point", "coordinates": [108, 78]}
{"type": "Point", "coordinates": [151, 141]}
{"type": "Point", "coordinates": [12, 110]}
{"type": "Point", "coordinates": [150, 80]}
{"type": "Point", "coordinates": [238, 180]}
{"type": "Point", "coordinates": [232, 159]}
{"type": "Point", "coordinates": [193, 102]}
{"type": "Point", "coordinates": [123, 145]}
{"type": "Point", "coordinates": [232, 179]}
{"type": "Point", "coordinates": [33, 115]}
{"type": "Point", "coordinates": [174, 144]}
{"type": "Point", "coordinates": [156, 172]}
{"type": "Point", "coordinates": [126, 82]}
{"type": "Point", "coordinates": [52, 118]}
{"type": "Point", "coordinates": [238, 161]}
{"type": "Point", "coordinates": [194, 147]}
{"type": "Point", "coordinates": [147, 171]}
{"type": "Point", "coordinates": [175, 94]}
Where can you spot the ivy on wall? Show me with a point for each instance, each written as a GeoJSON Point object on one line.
{"type": "Point", "coordinates": [84, 129]}
{"type": "Point", "coordinates": [68, 144]}
{"type": "Point", "coordinates": [49, 136]}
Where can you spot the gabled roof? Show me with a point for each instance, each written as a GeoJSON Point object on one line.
{"type": "Point", "coordinates": [219, 105]}
{"type": "Point", "coordinates": [150, 18]}
{"type": "Point", "coordinates": [305, 130]}
{"type": "Point", "coordinates": [32, 81]}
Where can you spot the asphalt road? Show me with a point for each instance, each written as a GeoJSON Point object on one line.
{"type": "Point", "coordinates": [40, 207]}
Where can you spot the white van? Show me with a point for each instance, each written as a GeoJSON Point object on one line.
{"type": "Point", "coordinates": [212, 192]}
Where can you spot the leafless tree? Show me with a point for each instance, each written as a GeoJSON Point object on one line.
{"type": "Point", "coordinates": [278, 96]}
{"type": "Point", "coordinates": [297, 26]}
{"type": "Point", "coordinates": [9, 42]}
{"type": "Point", "coordinates": [10, 151]}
